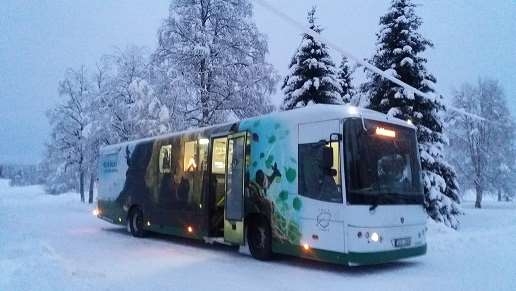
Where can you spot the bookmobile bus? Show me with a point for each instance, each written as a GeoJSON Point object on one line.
{"type": "Point", "coordinates": [332, 183]}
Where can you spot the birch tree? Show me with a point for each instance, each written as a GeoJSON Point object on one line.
{"type": "Point", "coordinates": [69, 119]}
{"type": "Point", "coordinates": [484, 150]}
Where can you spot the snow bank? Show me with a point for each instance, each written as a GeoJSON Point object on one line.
{"type": "Point", "coordinates": [54, 243]}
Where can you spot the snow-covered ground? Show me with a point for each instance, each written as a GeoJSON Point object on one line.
{"type": "Point", "coordinates": [54, 243]}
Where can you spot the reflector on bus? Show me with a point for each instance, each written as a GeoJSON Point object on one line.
{"type": "Point", "coordinates": [385, 132]}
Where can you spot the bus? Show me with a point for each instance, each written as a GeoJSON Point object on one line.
{"type": "Point", "coordinates": [332, 183]}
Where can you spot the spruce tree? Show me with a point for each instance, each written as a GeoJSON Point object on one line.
{"type": "Point", "coordinates": [344, 77]}
{"type": "Point", "coordinates": [312, 73]}
{"type": "Point", "coordinates": [399, 49]}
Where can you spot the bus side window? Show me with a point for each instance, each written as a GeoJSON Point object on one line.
{"type": "Point", "coordinates": [190, 159]}
{"type": "Point", "coordinates": [165, 159]}
{"type": "Point", "coordinates": [316, 181]}
{"type": "Point", "coordinates": [194, 162]}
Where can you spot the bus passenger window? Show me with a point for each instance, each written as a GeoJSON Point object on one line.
{"type": "Point", "coordinates": [319, 177]}
{"type": "Point", "coordinates": [218, 163]}
{"type": "Point", "coordinates": [190, 158]}
{"type": "Point", "coordinates": [218, 177]}
{"type": "Point", "coordinates": [165, 159]}
{"type": "Point", "coordinates": [203, 154]}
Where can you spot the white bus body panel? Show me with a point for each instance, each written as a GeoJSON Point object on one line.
{"type": "Point", "coordinates": [391, 222]}
{"type": "Point", "coordinates": [322, 222]}
{"type": "Point", "coordinates": [112, 170]}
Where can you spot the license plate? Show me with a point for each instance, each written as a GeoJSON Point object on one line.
{"type": "Point", "coordinates": [402, 242]}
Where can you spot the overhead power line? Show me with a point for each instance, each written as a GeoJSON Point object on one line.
{"type": "Point", "coordinates": [317, 37]}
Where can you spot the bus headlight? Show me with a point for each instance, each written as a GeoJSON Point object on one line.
{"type": "Point", "coordinates": [375, 237]}
{"type": "Point", "coordinates": [95, 212]}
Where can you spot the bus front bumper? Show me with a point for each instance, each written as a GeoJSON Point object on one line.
{"type": "Point", "coordinates": [351, 258]}
{"type": "Point", "coordinates": [371, 258]}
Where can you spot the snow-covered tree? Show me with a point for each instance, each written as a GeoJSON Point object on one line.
{"type": "Point", "coordinates": [214, 54]}
{"type": "Point", "coordinates": [59, 175]}
{"type": "Point", "coordinates": [126, 99]}
{"type": "Point", "coordinates": [399, 52]}
{"type": "Point", "coordinates": [171, 95]}
{"type": "Point", "coordinates": [121, 104]}
{"type": "Point", "coordinates": [97, 131]}
{"type": "Point", "coordinates": [21, 175]}
{"type": "Point", "coordinates": [484, 151]}
{"type": "Point", "coordinates": [312, 76]}
{"type": "Point", "coordinates": [67, 149]}
{"type": "Point", "coordinates": [116, 104]}
{"type": "Point", "coordinates": [345, 78]}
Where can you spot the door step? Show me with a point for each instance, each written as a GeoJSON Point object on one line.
{"type": "Point", "coordinates": [219, 240]}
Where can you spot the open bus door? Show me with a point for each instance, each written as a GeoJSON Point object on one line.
{"type": "Point", "coordinates": [235, 179]}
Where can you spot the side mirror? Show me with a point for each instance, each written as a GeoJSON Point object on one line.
{"type": "Point", "coordinates": [335, 137]}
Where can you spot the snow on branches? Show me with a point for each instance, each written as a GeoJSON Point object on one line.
{"type": "Point", "coordinates": [214, 52]}
{"type": "Point", "coordinates": [483, 151]}
{"type": "Point", "coordinates": [312, 76]}
{"type": "Point", "coordinates": [399, 49]}
{"type": "Point", "coordinates": [209, 67]}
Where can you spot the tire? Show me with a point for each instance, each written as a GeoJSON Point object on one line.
{"type": "Point", "coordinates": [259, 239]}
{"type": "Point", "coordinates": [135, 222]}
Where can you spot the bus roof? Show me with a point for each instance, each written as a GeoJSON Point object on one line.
{"type": "Point", "coordinates": [310, 113]}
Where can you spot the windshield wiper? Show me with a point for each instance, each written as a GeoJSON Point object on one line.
{"type": "Point", "coordinates": [382, 198]}
{"type": "Point", "coordinates": [376, 201]}
{"type": "Point", "coordinates": [373, 207]}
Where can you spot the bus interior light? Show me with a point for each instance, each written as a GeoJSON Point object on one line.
{"type": "Point", "coordinates": [306, 247]}
{"type": "Point", "coordinates": [190, 229]}
{"type": "Point", "coordinates": [353, 110]}
{"type": "Point", "coordinates": [148, 223]}
{"type": "Point", "coordinates": [385, 132]}
{"type": "Point", "coordinates": [204, 141]}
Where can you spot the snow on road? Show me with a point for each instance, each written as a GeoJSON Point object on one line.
{"type": "Point", "coordinates": [54, 243]}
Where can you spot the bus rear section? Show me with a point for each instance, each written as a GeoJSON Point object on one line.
{"type": "Point", "coordinates": [112, 169]}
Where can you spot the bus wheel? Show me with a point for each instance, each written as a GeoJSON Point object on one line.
{"type": "Point", "coordinates": [136, 222]}
{"type": "Point", "coordinates": [259, 239]}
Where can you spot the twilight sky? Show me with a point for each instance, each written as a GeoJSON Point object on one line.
{"type": "Point", "coordinates": [40, 39]}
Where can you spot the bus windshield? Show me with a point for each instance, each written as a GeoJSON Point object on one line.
{"type": "Point", "coordinates": [382, 164]}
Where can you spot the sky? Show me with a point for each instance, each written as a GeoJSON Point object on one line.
{"type": "Point", "coordinates": [40, 39]}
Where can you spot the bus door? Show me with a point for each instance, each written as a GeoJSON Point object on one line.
{"type": "Point", "coordinates": [235, 179]}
